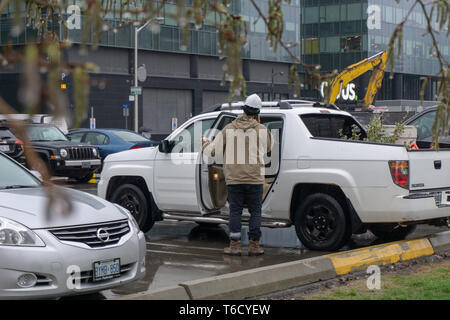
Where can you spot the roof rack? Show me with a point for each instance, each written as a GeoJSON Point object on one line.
{"type": "Point", "coordinates": [267, 104]}
{"type": "Point", "coordinates": [326, 106]}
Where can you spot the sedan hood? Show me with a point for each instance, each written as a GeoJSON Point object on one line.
{"type": "Point", "coordinates": [29, 207]}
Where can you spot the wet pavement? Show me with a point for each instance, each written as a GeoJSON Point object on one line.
{"type": "Point", "coordinates": [184, 251]}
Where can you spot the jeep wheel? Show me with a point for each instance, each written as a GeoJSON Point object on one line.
{"type": "Point", "coordinates": [321, 224]}
{"type": "Point", "coordinates": [391, 232]}
{"type": "Point", "coordinates": [133, 199]}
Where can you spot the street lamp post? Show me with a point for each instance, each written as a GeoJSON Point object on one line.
{"type": "Point", "coordinates": [136, 84]}
{"type": "Point", "coordinates": [272, 95]}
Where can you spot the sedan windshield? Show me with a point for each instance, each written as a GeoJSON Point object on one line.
{"type": "Point", "coordinates": [13, 176]}
{"type": "Point", "coordinates": [45, 133]}
{"type": "Point", "coordinates": [129, 136]}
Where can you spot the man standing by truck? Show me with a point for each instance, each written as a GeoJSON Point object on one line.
{"type": "Point", "coordinates": [245, 142]}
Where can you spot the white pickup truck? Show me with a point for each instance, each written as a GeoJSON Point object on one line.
{"type": "Point", "coordinates": [328, 187]}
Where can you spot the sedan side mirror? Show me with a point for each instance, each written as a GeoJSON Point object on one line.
{"type": "Point", "coordinates": [165, 146]}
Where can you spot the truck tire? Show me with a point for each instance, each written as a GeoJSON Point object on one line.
{"type": "Point", "coordinates": [134, 200]}
{"type": "Point", "coordinates": [321, 224]}
{"type": "Point", "coordinates": [391, 232]}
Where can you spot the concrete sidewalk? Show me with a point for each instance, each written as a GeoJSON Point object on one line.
{"type": "Point", "coordinates": [260, 281]}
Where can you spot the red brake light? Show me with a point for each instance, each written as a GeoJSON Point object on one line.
{"type": "Point", "coordinates": [400, 173]}
{"type": "Point", "coordinates": [19, 143]}
{"type": "Point", "coordinates": [324, 111]}
{"type": "Point", "coordinates": [135, 147]}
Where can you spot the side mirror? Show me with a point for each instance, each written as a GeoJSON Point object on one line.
{"type": "Point", "coordinates": [68, 137]}
{"type": "Point", "coordinates": [164, 146]}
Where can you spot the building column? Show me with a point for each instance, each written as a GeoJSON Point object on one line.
{"type": "Point", "coordinates": [246, 70]}
{"type": "Point", "coordinates": [197, 101]}
{"type": "Point", "coordinates": [193, 66]}
{"type": "Point", "coordinates": [428, 94]}
{"type": "Point", "coordinates": [397, 87]}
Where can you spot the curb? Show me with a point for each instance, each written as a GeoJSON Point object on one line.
{"type": "Point", "coordinates": [265, 280]}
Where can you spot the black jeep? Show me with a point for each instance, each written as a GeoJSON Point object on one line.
{"type": "Point", "coordinates": [63, 157]}
{"type": "Point", "coordinates": [10, 144]}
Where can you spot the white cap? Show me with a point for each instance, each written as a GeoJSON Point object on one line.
{"type": "Point", "coordinates": [253, 102]}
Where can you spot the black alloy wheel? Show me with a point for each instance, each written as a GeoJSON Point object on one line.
{"type": "Point", "coordinates": [133, 199]}
{"type": "Point", "coordinates": [321, 224]}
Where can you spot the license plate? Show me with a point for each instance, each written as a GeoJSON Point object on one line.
{"type": "Point", "coordinates": [106, 269]}
{"type": "Point", "coordinates": [4, 148]}
{"type": "Point", "coordinates": [85, 165]}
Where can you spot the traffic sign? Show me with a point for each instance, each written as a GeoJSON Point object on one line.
{"type": "Point", "coordinates": [126, 110]}
{"type": "Point", "coordinates": [92, 123]}
{"type": "Point", "coordinates": [174, 123]}
{"type": "Point", "coordinates": [136, 90]}
{"type": "Point", "coordinates": [142, 73]}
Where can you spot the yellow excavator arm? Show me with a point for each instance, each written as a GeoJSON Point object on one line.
{"type": "Point", "coordinates": [377, 63]}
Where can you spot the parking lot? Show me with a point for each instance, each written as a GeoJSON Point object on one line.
{"type": "Point", "coordinates": [182, 251]}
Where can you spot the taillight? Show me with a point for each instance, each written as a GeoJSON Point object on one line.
{"type": "Point", "coordinates": [19, 143]}
{"type": "Point", "coordinates": [400, 173]}
{"type": "Point", "coordinates": [135, 147]}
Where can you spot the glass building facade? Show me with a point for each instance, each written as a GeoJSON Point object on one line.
{"type": "Point", "coordinates": [338, 33]}
{"type": "Point", "coordinates": [334, 33]}
{"type": "Point", "coordinates": [203, 40]}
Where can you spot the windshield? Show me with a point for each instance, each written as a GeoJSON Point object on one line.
{"type": "Point", "coordinates": [45, 133]}
{"type": "Point", "coordinates": [14, 176]}
{"type": "Point", "coordinates": [424, 125]}
{"type": "Point", "coordinates": [129, 136]}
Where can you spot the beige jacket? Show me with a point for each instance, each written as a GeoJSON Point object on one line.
{"type": "Point", "coordinates": [241, 147]}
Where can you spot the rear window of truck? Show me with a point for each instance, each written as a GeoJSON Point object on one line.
{"type": "Point", "coordinates": [331, 125]}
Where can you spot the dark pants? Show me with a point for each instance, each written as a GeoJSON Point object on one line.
{"type": "Point", "coordinates": [249, 195]}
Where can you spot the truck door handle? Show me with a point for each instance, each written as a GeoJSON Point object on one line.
{"type": "Point", "coordinates": [437, 164]}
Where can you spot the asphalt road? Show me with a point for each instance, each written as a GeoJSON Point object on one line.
{"type": "Point", "coordinates": [182, 251]}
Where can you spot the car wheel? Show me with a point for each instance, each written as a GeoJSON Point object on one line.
{"type": "Point", "coordinates": [321, 224]}
{"type": "Point", "coordinates": [85, 179]}
{"type": "Point", "coordinates": [391, 232]}
{"type": "Point", "coordinates": [134, 200]}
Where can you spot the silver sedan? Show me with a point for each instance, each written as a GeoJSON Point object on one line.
{"type": "Point", "coordinates": [98, 246]}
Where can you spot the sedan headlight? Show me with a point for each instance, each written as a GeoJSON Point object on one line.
{"type": "Point", "coordinates": [15, 234]}
{"type": "Point", "coordinates": [63, 153]}
{"type": "Point", "coordinates": [129, 216]}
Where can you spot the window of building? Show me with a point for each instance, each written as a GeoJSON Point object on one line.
{"type": "Point", "coordinates": [311, 46]}
{"type": "Point", "coordinates": [354, 11]}
{"type": "Point", "coordinates": [349, 44]}
{"type": "Point", "coordinates": [329, 44]}
{"type": "Point", "coordinates": [398, 15]}
{"type": "Point", "coordinates": [332, 13]}
{"type": "Point", "coordinates": [311, 15]}
{"type": "Point", "coordinates": [389, 14]}
{"type": "Point", "coordinates": [343, 12]}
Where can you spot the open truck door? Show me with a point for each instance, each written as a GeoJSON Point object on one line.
{"type": "Point", "coordinates": [210, 180]}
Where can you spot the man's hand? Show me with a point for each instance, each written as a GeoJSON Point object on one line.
{"type": "Point", "coordinates": [204, 141]}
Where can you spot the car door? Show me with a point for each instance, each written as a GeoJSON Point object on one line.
{"type": "Point", "coordinates": [210, 180]}
{"type": "Point", "coordinates": [174, 171]}
{"type": "Point", "coordinates": [101, 141]}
